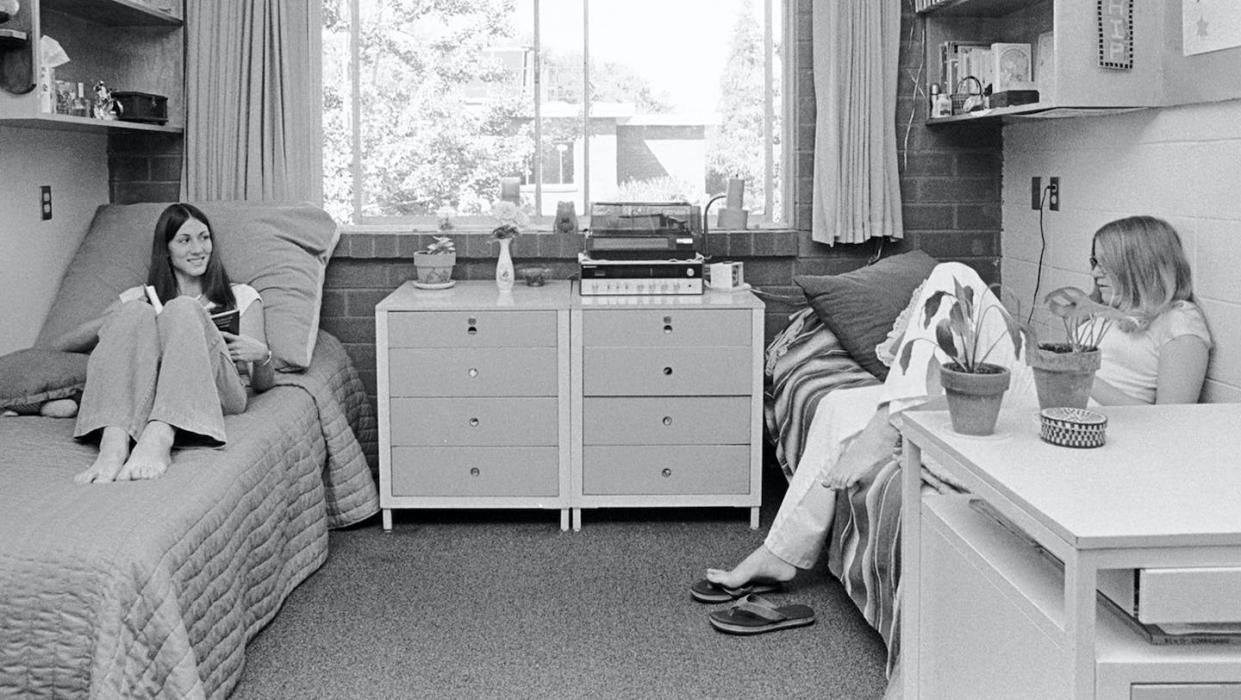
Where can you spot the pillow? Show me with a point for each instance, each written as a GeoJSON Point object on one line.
{"type": "Point", "coordinates": [280, 249]}
{"type": "Point", "coordinates": [862, 305]}
{"type": "Point", "coordinates": [28, 378]}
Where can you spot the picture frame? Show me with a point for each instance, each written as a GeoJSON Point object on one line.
{"type": "Point", "coordinates": [1011, 67]}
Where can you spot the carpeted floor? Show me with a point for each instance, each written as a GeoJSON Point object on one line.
{"type": "Point", "coordinates": [478, 604]}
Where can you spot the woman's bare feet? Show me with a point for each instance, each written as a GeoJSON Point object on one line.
{"type": "Point", "coordinates": [152, 454]}
{"type": "Point", "coordinates": [113, 451]}
{"type": "Point", "coordinates": [761, 566]}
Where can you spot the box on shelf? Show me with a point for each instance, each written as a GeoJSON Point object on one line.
{"type": "Point", "coordinates": [1012, 98]}
{"type": "Point", "coordinates": [142, 107]}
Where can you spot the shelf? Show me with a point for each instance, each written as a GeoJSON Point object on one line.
{"type": "Point", "coordinates": [114, 13]}
{"type": "Point", "coordinates": [65, 122]}
{"type": "Point", "coordinates": [976, 8]}
{"type": "Point", "coordinates": [12, 37]}
{"type": "Point", "coordinates": [1037, 110]}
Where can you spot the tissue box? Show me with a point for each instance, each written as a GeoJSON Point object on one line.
{"type": "Point", "coordinates": [142, 107]}
{"type": "Point", "coordinates": [725, 275]}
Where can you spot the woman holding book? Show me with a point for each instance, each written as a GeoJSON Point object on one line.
{"type": "Point", "coordinates": [161, 370]}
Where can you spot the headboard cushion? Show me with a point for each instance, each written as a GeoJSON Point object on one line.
{"type": "Point", "coordinates": [280, 249]}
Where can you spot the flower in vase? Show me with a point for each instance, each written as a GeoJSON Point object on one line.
{"type": "Point", "coordinates": [510, 218]}
{"type": "Point", "coordinates": [445, 214]}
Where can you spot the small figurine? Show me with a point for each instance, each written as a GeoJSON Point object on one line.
{"type": "Point", "coordinates": [106, 106]}
{"type": "Point", "coordinates": [566, 218]}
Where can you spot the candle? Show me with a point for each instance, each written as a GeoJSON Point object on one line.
{"type": "Point", "coordinates": [510, 189]}
{"type": "Point", "coordinates": [736, 192]}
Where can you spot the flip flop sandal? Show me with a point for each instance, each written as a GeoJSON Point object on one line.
{"type": "Point", "coordinates": [705, 591]}
{"type": "Point", "coordinates": [755, 614]}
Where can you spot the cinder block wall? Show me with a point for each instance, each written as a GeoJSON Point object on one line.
{"type": "Point", "coordinates": [950, 185]}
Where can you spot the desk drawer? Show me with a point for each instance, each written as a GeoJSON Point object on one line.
{"type": "Point", "coordinates": [667, 372]}
{"type": "Point", "coordinates": [475, 471]}
{"type": "Point", "coordinates": [665, 327]}
{"type": "Point", "coordinates": [707, 420]}
{"type": "Point", "coordinates": [666, 470]}
{"type": "Point", "coordinates": [438, 329]}
{"type": "Point", "coordinates": [474, 421]}
{"type": "Point", "coordinates": [472, 372]}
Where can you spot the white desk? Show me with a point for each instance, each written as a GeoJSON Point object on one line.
{"type": "Point", "coordinates": [1164, 491]}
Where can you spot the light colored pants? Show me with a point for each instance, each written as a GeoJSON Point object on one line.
{"type": "Point", "coordinates": [172, 367]}
{"type": "Point", "coordinates": [800, 528]}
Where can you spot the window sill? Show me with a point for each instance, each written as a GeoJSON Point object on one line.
{"type": "Point", "coordinates": [389, 243]}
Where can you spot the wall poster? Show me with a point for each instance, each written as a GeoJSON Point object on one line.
{"type": "Point", "coordinates": [1210, 25]}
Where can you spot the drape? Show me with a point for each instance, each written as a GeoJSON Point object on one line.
{"type": "Point", "coordinates": [253, 101]}
{"type": "Point", "coordinates": [856, 49]}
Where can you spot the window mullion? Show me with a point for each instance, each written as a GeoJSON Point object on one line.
{"type": "Point", "coordinates": [355, 81]}
{"type": "Point", "coordinates": [538, 115]}
{"type": "Point", "coordinates": [769, 118]}
{"type": "Point", "coordinates": [586, 107]}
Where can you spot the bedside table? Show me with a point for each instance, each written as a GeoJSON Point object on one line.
{"type": "Point", "coordinates": [473, 393]}
{"type": "Point", "coordinates": [667, 401]}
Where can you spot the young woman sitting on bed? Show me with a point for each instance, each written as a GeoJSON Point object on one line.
{"type": "Point", "coordinates": [155, 374]}
{"type": "Point", "coordinates": [1138, 266]}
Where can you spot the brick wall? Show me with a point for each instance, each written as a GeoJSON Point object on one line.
{"type": "Point", "coordinates": [950, 185]}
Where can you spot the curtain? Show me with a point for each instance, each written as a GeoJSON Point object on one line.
{"type": "Point", "coordinates": [253, 101]}
{"type": "Point", "coordinates": [856, 48]}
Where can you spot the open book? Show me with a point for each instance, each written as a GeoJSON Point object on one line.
{"type": "Point", "coordinates": [227, 320]}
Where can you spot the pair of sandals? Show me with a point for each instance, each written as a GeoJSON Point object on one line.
{"type": "Point", "coordinates": [751, 613]}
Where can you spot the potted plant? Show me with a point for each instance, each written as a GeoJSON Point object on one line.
{"type": "Point", "coordinates": [1064, 372]}
{"type": "Point", "coordinates": [434, 265]}
{"type": "Point", "coordinates": [974, 387]}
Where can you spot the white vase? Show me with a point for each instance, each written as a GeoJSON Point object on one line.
{"type": "Point", "coordinates": [504, 267]}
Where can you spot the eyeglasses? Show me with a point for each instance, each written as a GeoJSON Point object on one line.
{"type": "Point", "coordinates": [1094, 262]}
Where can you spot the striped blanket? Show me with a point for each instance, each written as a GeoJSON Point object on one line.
{"type": "Point", "coordinates": [805, 362]}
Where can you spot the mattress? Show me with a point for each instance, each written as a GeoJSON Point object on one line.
{"type": "Point", "coordinates": [153, 588]}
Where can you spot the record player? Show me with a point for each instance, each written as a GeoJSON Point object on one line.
{"type": "Point", "coordinates": [643, 230]}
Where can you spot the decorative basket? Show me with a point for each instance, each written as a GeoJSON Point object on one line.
{"type": "Point", "coordinates": [1073, 427]}
{"type": "Point", "coordinates": [963, 100]}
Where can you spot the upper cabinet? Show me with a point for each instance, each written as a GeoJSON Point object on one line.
{"type": "Point", "coordinates": [132, 46]}
{"type": "Point", "coordinates": [1084, 56]}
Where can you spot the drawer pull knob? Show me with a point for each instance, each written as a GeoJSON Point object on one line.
{"type": "Point", "coordinates": [666, 472]}
{"type": "Point", "coordinates": [473, 372]}
{"type": "Point", "coordinates": [668, 328]}
{"type": "Point", "coordinates": [471, 331]}
{"type": "Point", "coordinates": [473, 422]}
{"type": "Point", "coordinates": [667, 371]}
{"type": "Point", "coordinates": [667, 420]}
{"type": "Point", "coordinates": [471, 325]}
{"type": "Point", "coordinates": [474, 471]}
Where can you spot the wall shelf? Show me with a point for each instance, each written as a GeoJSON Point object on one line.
{"type": "Point", "coordinates": [65, 122]}
{"type": "Point", "coordinates": [114, 13]}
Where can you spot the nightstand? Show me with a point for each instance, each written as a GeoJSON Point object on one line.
{"type": "Point", "coordinates": [473, 394]}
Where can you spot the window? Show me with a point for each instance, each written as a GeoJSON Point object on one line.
{"type": "Point", "coordinates": [428, 105]}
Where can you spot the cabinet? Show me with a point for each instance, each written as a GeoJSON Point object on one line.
{"type": "Point", "coordinates": [987, 609]}
{"type": "Point", "coordinates": [473, 398]}
{"type": "Point", "coordinates": [131, 45]}
{"type": "Point", "coordinates": [667, 401]}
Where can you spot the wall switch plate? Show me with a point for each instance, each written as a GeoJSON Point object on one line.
{"type": "Point", "coordinates": [1036, 193]}
{"type": "Point", "coordinates": [45, 201]}
{"type": "Point", "coordinates": [1053, 193]}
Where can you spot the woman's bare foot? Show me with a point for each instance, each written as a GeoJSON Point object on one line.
{"type": "Point", "coordinates": [113, 451]}
{"type": "Point", "coordinates": [761, 566]}
{"type": "Point", "coordinates": [152, 454]}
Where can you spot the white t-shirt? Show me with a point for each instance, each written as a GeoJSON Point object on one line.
{"type": "Point", "coordinates": [243, 293]}
{"type": "Point", "coordinates": [1131, 360]}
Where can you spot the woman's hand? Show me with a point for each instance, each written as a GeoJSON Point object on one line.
{"type": "Point", "coordinates": [243, 348]}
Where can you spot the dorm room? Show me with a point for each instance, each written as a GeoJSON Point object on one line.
{"type": "Point", "coordinates": [187, 585]}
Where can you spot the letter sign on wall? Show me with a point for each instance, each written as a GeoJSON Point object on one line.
{"type": "Point", "coordinates": [1116, 34]}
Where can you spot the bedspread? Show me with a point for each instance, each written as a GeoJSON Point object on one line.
{"type": "Point", "coordinates": [153, 588]}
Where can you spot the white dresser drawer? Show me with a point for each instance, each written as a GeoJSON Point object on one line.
{"type": "Point", "coordinates": [665, 327]}
{"type": "Point", "coordinates": [475, 471]}
{"type": "Point", "coordinates": [611, 371]}
{"type": "Point", "coordinates": [475, 421]}
{"type": "Point", "coordinates": [472, 372]}
{"type": "Point", "coordinates": [439, 329]}
{"type": "Point", "coordinates": [672, 420]}
{"type": "Point", "coordinates": [665, 470]}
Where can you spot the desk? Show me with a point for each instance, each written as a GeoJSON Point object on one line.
{"type": "Point", "coordinates": [1163, 492]}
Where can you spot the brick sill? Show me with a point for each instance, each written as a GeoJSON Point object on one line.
{"type": "Point", "coordinates": [372, 245]}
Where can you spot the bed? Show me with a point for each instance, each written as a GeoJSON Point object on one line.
{"type": "Point", "coordinates": [153, 588]}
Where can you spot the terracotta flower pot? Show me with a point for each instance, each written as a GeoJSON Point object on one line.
{"type": "Point", "coordinates": [1063, 378]}
{"type": "Point", "coordinates": [974, 397]}
{"type": "Point", "coordinates": [434, 268]}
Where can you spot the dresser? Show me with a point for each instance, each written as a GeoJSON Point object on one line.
{"type": "Point", "coordinates": [667, 401]}
{"type": "Point", "coordinates": [1001, 600]}
{"type": "Point", "coordinates": [473, 397]}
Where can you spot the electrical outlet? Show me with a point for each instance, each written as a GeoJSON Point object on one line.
{"type": "Point", "coordinates": [1053, 193]}
{"type": "Point", "coordinates": [1036, 193]}
{"type": "Point", "coordinates": [45, 201]}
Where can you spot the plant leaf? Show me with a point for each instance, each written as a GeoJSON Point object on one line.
{"type": "Point", "coordinates": [946, 341]}
{"type": "Point", "coordinates": [907, 350]}
{"type": "Point", "coordinates": [932, 306]}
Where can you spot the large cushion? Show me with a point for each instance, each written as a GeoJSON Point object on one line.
{"type": "Point", "coordinates": [280, 249]}
{"type": "Point", "coordinates": [30, 377]}
{"type": "Point", "coordinates": [861, 306]}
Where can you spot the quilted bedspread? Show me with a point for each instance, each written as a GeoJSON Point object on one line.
{"type": "Point", "coordinates": [153, 588]}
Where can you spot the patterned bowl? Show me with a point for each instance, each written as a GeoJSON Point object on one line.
{"type": "Point", "coordinates": [1073, 427]}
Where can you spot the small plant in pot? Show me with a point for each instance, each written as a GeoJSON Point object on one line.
{"type": "Point", "coordinates": [1064, 371]}
{"type": "Point", "coordinates": [974, 387]}
{"type": "Point", "coordinates": [434, 265]}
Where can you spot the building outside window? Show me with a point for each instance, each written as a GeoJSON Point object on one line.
{"type": "Point", "coordinates": [427, 105]}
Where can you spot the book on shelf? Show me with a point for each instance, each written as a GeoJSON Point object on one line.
{"type": "Point", "coordinates": [958, 59]}
{"type": "Point", "coordinates": [227, 320]}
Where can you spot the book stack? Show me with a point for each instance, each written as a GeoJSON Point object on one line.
{"type": "Point", "coordinates": [959, 59]}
